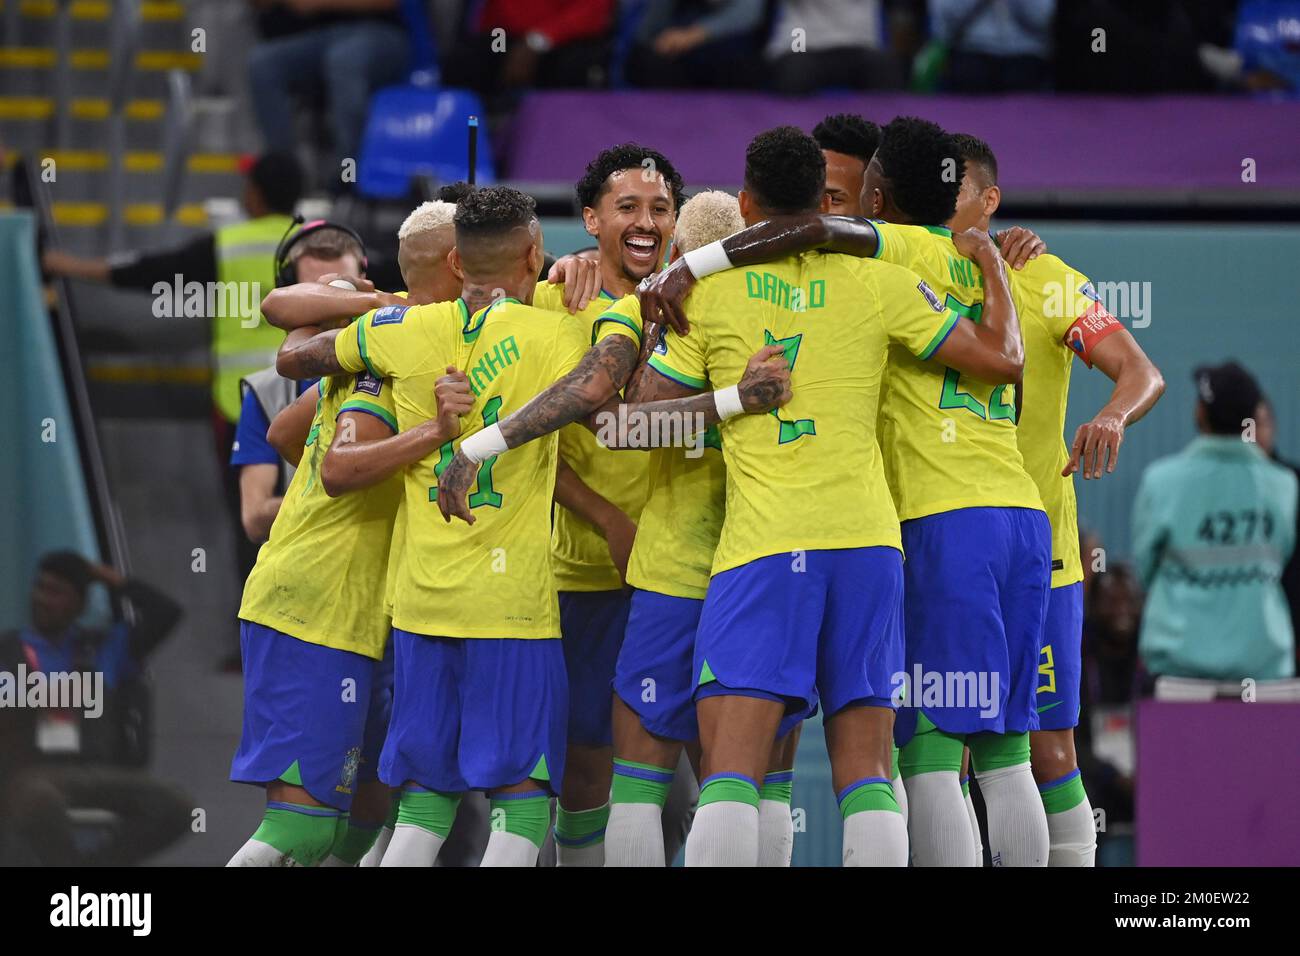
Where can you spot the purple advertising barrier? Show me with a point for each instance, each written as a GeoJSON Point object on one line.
{"type": "Point", "coordinates": [1217, 784]}
{"type": "Point", "coordinates": [1045, 144]}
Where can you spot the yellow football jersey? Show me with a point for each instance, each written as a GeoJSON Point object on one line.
{"type": "Point", "coordinates": [682, 518]}
{"type": "Point", "coordinates": [315, 578]}
{"type": "Point", "coordinates": [949, 441]}
{"type": "Point", "coordinates": [582, 561]}
{"type": "Point", "coordinates": [1051, 297]}
{"type": "Point", "coordinates": [809, 475]}
{"type": "Point", "coordinates": [491, 579]}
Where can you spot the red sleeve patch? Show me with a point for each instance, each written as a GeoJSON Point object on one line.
{"type": "Point", "coordinates": [1089, 329]}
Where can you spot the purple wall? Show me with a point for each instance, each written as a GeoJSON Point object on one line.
{"type": "Point", "coordinates": [1043, 143]}
{"type": "Point", "coordinates": [1217, 784]}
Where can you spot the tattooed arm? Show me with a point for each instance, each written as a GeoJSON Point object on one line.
{"type": "Point", "coordinates": [308, 353]}
{"type": "Point", "coordinates": [764, 386]}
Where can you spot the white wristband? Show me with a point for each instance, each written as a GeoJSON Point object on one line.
{"type": "Point", "coordinates": [727, 402]}
{"type": "Point", "coordinates": [483, 445]}
{"type": "Point", "coordinates": [707, 260]}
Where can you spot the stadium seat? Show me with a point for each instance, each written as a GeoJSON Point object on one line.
{"type": "Point", "coordinates": [629, 17]}
{"type": "Point", "coordinates": [416, 132]}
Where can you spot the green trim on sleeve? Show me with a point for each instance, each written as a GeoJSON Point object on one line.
{"type": "Point", "coordinates": [621, 320]}
{"type": "Point", "coordinates": [939, 336]}
{"type": "Point", "coordinates": [681, 378]}
{"type": "Point", "coordinates": [361, 405]}
{"type": "Point", "coordinates": [880, 239]}
{"type": "Point", "coordinates": [365, 353]}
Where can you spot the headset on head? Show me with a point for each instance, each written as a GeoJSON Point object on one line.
{"type": "Point", "coordinates": [285, 271]}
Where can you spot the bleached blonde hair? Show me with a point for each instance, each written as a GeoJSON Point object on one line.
{"type": "Point", "coordinates": [426, 217]}
{"type": "Point", "coordinates": [706, 217]}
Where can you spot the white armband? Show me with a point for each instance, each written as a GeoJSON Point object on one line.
{"type": "Point", "coordinates": [707, 260]}
{"type": "Point", "coordinates": [483, 445]}
{"type": "Point", "coordinates": [727, 402]}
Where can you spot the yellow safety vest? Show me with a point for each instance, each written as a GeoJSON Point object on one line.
{"type": "Point", "coordinates": [246, 272]}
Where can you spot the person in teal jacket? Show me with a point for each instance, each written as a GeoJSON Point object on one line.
{"type": "Point", "coordinates": [1213, 526]}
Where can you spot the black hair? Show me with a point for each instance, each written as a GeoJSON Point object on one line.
{"type": "Point", "coordinates": [69, 566]}
{"type": "Point", "coordinates": [785, 170]}
{"type": "Point", "coordinates": [975, 150]}
{"type": "Point", "coordinates": [595, 180]}
{"type": "Point", "coordinates": [848, 133]}
{"type": "Point", "coordinates": [455, 192]}
{"type": "Point", "coordinates": [278, 177]}
{"type": "Point", "coordinates": [924, 167]}
{"type": "Point", "coordinates": [494, 209]}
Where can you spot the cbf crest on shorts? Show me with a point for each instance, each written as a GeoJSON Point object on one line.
{"type": "Point", "coordinates": [351, 762]}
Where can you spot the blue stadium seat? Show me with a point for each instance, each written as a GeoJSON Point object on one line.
{"type": "Point", "coordinates": [424, 50]}
{"type": "Point", "coordinates": [415, 131]}
{"type": "Point", "coordinates": [628, 20]}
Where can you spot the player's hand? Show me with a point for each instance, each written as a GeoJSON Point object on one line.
{"type": "Point", "coordinates": [662, 294]}
{"type": "Point", "coordinates": [453, 488]}
{"type": "Point", "coordinates": [1019, 245]}
{"type": "Point", "coordinates": [454, 399]}
{"type": "Point", "coordinates": [620, 532]}
{"type": "Point", "coordinates": [974, 243]}
{"type": "Point", "coordinates": [766, 382]}
{"type": "Point", "coordinates": [362, 284]}
{"type": "Point", "coordinates": [1096, 447]}
{"type": "Point", "coordinates": [581, 278]}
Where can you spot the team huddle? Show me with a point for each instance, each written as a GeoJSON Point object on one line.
{"type": "Point", "coordinates": [617, 533]}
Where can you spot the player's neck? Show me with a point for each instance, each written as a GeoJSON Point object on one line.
{"type": "Point", "coordinates": [613, 280]}
{"type": "Point", "coordinates": [479, 293]}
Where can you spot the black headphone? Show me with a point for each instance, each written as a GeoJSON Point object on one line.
{"type": "Point", "coordinates": [286, 271]}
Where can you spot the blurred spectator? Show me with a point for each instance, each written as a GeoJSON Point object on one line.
{"type": "Point", "coordinates": [335, 52]}
{"type": "Point", "coordinates": [66, 754]}
{"type": "Point", "coordinates": [241, 253]}
{"type": "Point", "coordinates": [1149, 47]}
{"type": "Point", "coordinates": [1266, 436]}
{"type": "Point", "coordinates": [707, 43]}
{"type": "Point", "coordinates": [1213, 527]}
{"type": "Point", "coordinates": [1104, 738]}
{"type": "Point", "coordinates": [820, 43]}
{"type": "Point", "coordinates": [263, 475]}
{"type": "Point", "coordinates": [517, 44]}
{"type": "Point", "coordinates": [994, 46]}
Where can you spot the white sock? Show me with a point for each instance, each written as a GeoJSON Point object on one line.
{"type": "Point", "coordinates": [937, 824]}
{"type": "Point", "coordinates": [1073, 836]}
{"type": "Point", "coordinates": [376, 852]}
{"type": "Point", "coordinates": [257, 853]}
{"type": "Point", "coordinates": [412, 846]}
{"type": "Point", "coordinates": [900, 794]}
{"type": "Point", "coordinates": [775, 833]}
{"type": "Point", "coordinates": [1017, 820]}
{"type": "Point", "coordinates": [634, 835]}
{"type": "Point", "coordinates": [875, 838]}
{"type": "Point", "coordinates": [592, 855]}
{"type": "Point", "coordinates": [509, 849]}
{"type": "Point", "coordinates": [725, 833]}
{"type": "Point", "coordinates": [975, 830]}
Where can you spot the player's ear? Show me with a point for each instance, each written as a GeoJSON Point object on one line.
{"type": "Point", "coordinates": [746, 204]}
{"type": "Point", "coordinates": [589, 220]}
{"type": "Point", "coordinates": [453, 260]}
{"type": "Point", "coordinates": [992, 200]}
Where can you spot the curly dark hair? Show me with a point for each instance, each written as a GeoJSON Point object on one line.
{"type": "Point", "coordinates": [785, 170]}
{"type": "Point", "coordinates": [595, 180]}
{"type": "Point", "coordinates": [975, 150]}
{"type": "Point", "coordinates": [454, 192]}
{"type": "Point", "coordinates": [914, 155]}
{"type": "Point", "coordinates": [848, 133]}
{"type": "Point", "coordinates": [492, 210]}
